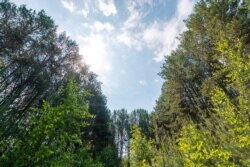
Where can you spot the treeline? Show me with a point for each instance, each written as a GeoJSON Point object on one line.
{"type": "Point", "coordinates": [202, 117]}
{"type": "Point", "coordinates": [52, 109]}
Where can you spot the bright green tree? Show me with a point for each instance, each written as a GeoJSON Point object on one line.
{"type": "Point", "coordinates": [227, 143]}
{"type": "Point", "coordinates": [200, 149]}
{"type": "Point", "coordinates": [52, 136]}
{"type": "Point", "coordinates": [141, 150]}
{"type": "Point", "coordinates": [204, 102]}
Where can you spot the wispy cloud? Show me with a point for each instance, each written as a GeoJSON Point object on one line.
{"type": "Point", "coordinates": [134, 16]}
{"type": "Point", "coordinates": [126, 38]}
{"type": "Point", "coordinates": [130, 39]}
{"type": "Point", "coordinates": [137, 11]}
{"type": "Point", "coordinates": [162, 36]}
{"type": "Point", "coordinates": [99, 26]}
{"type": "Point", "coordinates": [69, 5]}
{"type": "Point", "coordinates": [107, 7]}
{"type": "Point", "coordinates": [133, 21]}
{"type": "Point", "coordinates": [85, 11]}
{"type": "Point", "coordinates": [159, 36]}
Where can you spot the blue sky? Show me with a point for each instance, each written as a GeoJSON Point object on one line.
{"type": "Point", "coordinates": [123, 41]}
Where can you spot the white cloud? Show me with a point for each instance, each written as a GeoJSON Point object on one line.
{"type": "Point", "coordinates": [127, 36]}
{"type": "Point", "coordinates": [137, 11]}
{"type": "Point", "coordinates": [162, 36]}
{"type": "Point", "coordinates": [95, 54]}
{"type": "Point", "coordinates": [134, 16]}
{"type": "Point", "coordinates": [107, 7]}
{"type": "Point", "coordinates": [130, 39]}
{"type": "Point", "coordinates": [184, 8]}
{"type": "Point", "coordinates": [69, 5]}
{"type": "Point", "coordinates": [98, 26]}
{"type": "Point", "coordinates": [85, 11]}
{"type": "Point", "coordinates": [143, 82]}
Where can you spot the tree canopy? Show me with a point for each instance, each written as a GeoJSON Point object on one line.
{"type": "Point", "coordinates": [53, 111]}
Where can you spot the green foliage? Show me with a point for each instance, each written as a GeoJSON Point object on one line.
{"type": "Point", "coordinates": [200, 149]}
{"type": "Point", "coordinates": [235, 111]}
{"type": "Point", "coordinates": [36, 60]}
{"type": "Point", "coordinates": [99, 133]}
{"type": "Point", "coordinates": [42, 121]}
{"type": "Point", "coordinates": [121, 128]}
{"type": "Point", "coordinates": [53, 135]}
{"type": "Point", "coordinates": [108, 157]}
{"type": "Point", "coordinates": [204, 105]}
{"type": "Point", "coordinates": [140, 149]}
{"type": "Point", "coordinates": [140, 117]}
{"type": "Point", "coordinates": [200, 119]}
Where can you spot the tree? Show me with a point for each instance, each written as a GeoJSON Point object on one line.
{"type": "Point", "coordinates": [140, 117]}
{"type": "Point", "coordinates": [204, 100]}
{"type": "Point", "coordinates": [234, 112]}
{"type": "Point", "coordinates": [140, 149]}
{"type": "Point", "coordinates": [109, 157]}
{"type": "Point", "coordinates": [121, 125]}
{"type": "Point", "coordinates": [52, 135]}
{"type": "Point", "coordinates": [35, 62]}
{"type": "Point", "coordinates": [100, 131]}
{"type": "Point", "coordinates": [201, 150]}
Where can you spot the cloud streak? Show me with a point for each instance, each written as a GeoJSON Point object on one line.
{"type": "Point", "coordinates": [134, 16]}
{"type": "Point", "coordinates": [85, 11]}
{"type": "Point", "coordinates": [130, 39]}
{"type": "Point", "coordinates": [107, 7]}
{"type": "Point", "coordinates": [162, 36]}
{"type": "Point", "coordinates": [159, 36]}
{"type": "Point", "coordinates": [133, 21]}
{"type": "Point", "coordinates": [69, 5]}
{"type": "Point", "coordinates": [99, 26]}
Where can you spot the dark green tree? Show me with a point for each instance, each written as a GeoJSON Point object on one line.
{"type": "Point", "coordinates": [100, 132]}
{"type": "Point", "coordinates": [35, 62]}
{"type": "Point", "coordinates": [121, 128]}
{"type": "Point", "coordinates": [141, 118]}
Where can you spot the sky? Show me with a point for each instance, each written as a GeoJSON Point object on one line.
{"type": "Point", "coordinates": [123, 41]}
